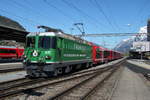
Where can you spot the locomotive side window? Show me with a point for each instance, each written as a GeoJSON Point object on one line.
{"type": "Point", "coordinates": [106, 54]}
{"type": "Point", "coordinates": [97, 53]}
{"type": "Point", "coordinates": [46, 42]}
{"type": "Point", "coordinates": [30, 42]}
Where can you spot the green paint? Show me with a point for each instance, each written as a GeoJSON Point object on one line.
{"type": "Point", "coordinates": [66, 50]}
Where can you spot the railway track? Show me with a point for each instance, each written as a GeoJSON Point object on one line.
{"type": "Point", "coordinates": [19, 86]}
{"type": "Point", "coordinates": [16, 82]}
{"type": "Point", "coordinates": [85, 88]}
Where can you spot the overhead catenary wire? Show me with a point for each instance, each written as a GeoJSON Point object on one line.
{"type": "Point", "coordinates": [59, 10]}
{"type": "Point", "coordinates": [20, 17]}
{"type": "Point", "coordinates": [140, 12]}
{"type": "Point", "coordinates": [84, 14]}
{"type": "Point", "coordinates": [112, 17]}
{"type": "Point", "coordinates": [100, 9]}
{"type": "Point", "coordinates": [29, 9]}
{"type": "Point", "coordinates": [31, 21]}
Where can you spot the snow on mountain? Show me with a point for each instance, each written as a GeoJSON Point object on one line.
{"type": "Point", "coordinates": [125, 45]}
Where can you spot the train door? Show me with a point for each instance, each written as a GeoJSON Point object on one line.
{"type": "Point", "coordinates": [17, 53]}
{"type": "Point", "coordinates": [60, 42]}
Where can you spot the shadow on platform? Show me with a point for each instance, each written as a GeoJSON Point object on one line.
{"type": "Point", "coordinates": [137, 69]}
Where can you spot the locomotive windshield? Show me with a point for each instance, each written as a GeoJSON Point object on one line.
{"type": "Point", "coordinates": [30, 42]}
{"type": "Point", "coordinates": [46, 42]}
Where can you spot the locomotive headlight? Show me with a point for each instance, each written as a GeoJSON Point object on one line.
{"type": "Point", "coordinates": [48, 57]}
{"type": "Point", "coordinates": [35, 53]}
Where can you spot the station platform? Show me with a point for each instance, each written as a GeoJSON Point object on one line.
{"type": "Point", "coordinates": [131, 87]}
{"type": "Point", "coordinates": [12, 76]}
{"type": "Point", "coordinates": [10, 65]}
{"type": "Point", "coordinates": [139, 63]}
{"type": "Point", "coordinates": [138, 66]}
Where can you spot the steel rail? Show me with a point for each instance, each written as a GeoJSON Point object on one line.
{"type": "Point", "coordinates": [21, 80]}
{"type": "Point", "coordinates": [77, 85]}
{"type": "Point", "coordinates": [14, 92]}
{"type": "Point", "coordinates": [56, 81]}
{"type": "Point", "coordinates": [99, 84]}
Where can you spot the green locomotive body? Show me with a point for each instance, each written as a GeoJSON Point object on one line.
{"type": "Point", "coordinates": [52, 53]}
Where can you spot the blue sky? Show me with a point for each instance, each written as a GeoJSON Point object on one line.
{"type": "Point", "coordinates": [98, 16]}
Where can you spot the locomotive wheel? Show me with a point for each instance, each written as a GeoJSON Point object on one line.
{"type": "Point", "coordinates": [58, 71]}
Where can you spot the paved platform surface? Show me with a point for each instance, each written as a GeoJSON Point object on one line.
{"type": "Point", "coordinates": [12, 76]}
{"type": "Point", "coordinates": [139, 63]}
{"type": "Point", "coordinates": [138, 66]}
{"type": "Point", "coordinates": [131, 87]}
{"type": "Point", "coordinates": [10, 65]}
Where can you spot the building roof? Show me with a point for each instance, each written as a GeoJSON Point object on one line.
{"type": "Point", "coordinates": [7, 33]}
{"type": "Point", "coordinates": [11, 30]}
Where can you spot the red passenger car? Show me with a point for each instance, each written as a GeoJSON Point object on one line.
{"type": "Point", "coordinates": [116, 55]}
{"type": "Point", "coordinates": [97, 54]}
{"type": "Point", "coordinates": [110, 58]}
{"type": "Point", "coordinates": [11, 52]}
{"type": "Point", "coordinates": [103, 55]}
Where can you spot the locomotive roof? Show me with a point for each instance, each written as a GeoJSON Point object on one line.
{"type": "Point", "coordinates": [59, 34]}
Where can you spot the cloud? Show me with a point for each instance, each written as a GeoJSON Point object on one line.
{"type": "Point", "coordinates": [126, 39]}
{"type": "Point", "coordinates": [128, 24]}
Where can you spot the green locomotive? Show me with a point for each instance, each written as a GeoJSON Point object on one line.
{"type": "Point", "coordinates": [54, 52]}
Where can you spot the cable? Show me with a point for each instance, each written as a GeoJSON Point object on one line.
{"type": "Point", "coordinates": [21, 6]}
{"type": "Point", "coordinates": [38, 11]}
{"type": "Point", "coordinates": [82, 12]}
{"type": "Point", "coordinates": [99, 7]}
{"type": "Point", "coordinates": [112, 17]}
{"type": "Point", "coordinates": [28, 7]}
{"type": "Point", "coordinates": [139, 13]}
{"type": "Point", "coordinates": [26, 19]}
{"type": "Point", "coordinates": [59, 10]}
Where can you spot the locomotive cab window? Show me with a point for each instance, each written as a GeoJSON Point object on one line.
{"type": "Point", "coordinates": [30, 42]}
{"type": "Point", "coordinates": [47, 42]}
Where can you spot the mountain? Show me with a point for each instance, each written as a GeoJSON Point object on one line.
{"type": "Point", "coordinates": [125, 45]}
{"type": "Point", "coordinates": [7, 22]}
